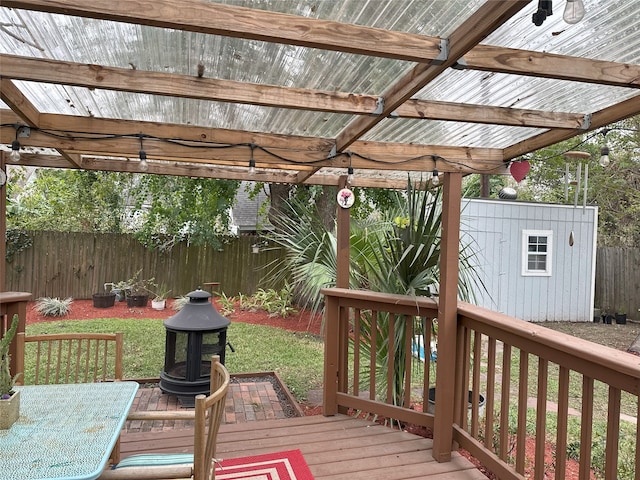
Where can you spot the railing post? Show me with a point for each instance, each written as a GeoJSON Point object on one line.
{"type": "Point", "coordinates": [447, 318]}
{"type": "Point", "coordinates": [12, 303]}
{"type": "Point", "coordinates": [331, 355]}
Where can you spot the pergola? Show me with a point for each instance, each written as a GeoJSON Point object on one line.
{"type": "Point", "coordinates": [307, 90]}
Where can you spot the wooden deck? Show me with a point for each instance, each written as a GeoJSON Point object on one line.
{"type": "Point", "coordinates": [335, 448]}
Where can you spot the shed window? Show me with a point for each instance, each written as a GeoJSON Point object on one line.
{"type": "Point", "coordinates": [536, 252]}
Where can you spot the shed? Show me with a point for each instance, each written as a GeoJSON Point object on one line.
{"type": "Point", "coordinates": [537, 261]}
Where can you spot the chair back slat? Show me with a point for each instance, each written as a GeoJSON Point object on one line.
{"type": "Point", "coordinates": [208, 417]}
{"type": "Point", "coordinates": [70, 358]}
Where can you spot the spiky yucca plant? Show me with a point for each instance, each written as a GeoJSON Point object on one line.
{"type": "Point", "coordinates": [53, 307]}
{"type": "Point", "coordinates": [7, 382]}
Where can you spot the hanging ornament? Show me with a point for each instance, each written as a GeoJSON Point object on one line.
{"type": "Point", "coordinates": [519, 170]}
{"type": "Point", "coordinates": [345, 198]}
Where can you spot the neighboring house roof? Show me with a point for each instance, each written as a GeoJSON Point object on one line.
{"type": "Point", "coordinates": [248, 214]}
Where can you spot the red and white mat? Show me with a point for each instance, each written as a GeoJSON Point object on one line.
{"type": "Point", "coordinates": [287, 465]}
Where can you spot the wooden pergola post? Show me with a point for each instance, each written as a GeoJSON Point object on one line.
{"type": "Point", "coordinates": [3, 224]}
{"type": "Point", "coordinates": [447, 318]}
{"type": "Point", "coordinates": [343, 234]}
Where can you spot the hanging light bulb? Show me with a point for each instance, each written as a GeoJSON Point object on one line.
{"type": "Point", "coordinates": [604, 156]}
{"type": "Point", "coordinates": [252, 167]}
{"type": "Point", "coordinates": [573, 11]}
{"type": "Point", "coordinates": [144, 166]}
{"type": "Point", "coordinates": [350, 175]}
{"type": "Point", "coordinates": [435, 178]}
{"type": "Point", "coordinates": [14, 156]}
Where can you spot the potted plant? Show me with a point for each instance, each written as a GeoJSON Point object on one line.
{"type": "Point", "coordinates": [9, 398]}
{"type": "Point", "coordinates": [104, 299]}
{"type": "Point", "coordinates": [137, 290]}
{"type": "Point", "coordinates": [158, 302]}
{"type": "Point", "coordinates": [621, 315]}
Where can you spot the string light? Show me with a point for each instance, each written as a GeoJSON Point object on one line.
{"type": "Point", "coordinates": [350, 175]}
{"type": "Point", "coordinates": [435, 178]}
{"type": "Point", "coordinates": [604, 156]}
{"type": "Point", "coordinates": [573, 11]}
{"type": "Point", "coordinates": [14, 156]}
{"type": "Point", "coordinates": [252, 162]}
{"type": "Point", "coordinates": [70, 135]}
{"type": "Point", "coordinates": [144, 166]}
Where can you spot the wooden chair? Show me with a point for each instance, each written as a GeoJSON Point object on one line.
{"type": "Point", "coordinates": [70, 357]}
{"type": "Point", "coordinates": [207, 419]}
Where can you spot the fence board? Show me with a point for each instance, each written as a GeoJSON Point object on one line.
{"type": "Point", "coordinates": [70, 264]}
{"type": "Point", "coordinates": [618, 280]}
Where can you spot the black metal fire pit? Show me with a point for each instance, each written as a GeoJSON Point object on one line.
{"type": "Point", "coordinates": [194, 334]}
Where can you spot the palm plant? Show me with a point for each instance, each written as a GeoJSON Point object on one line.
{"type": "Point", "coordinates": [398, 252]}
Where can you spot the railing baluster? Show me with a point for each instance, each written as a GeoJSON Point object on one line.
{"type": "Point", "coordinates": [563, 413]}
{"type": "Point", "coordinates": [490, 394]}
{"type": "Point", "coordinates": [586, 428]}
{"type": "Point", "coordinates": [505, 393]}
{"type": "Point", "coordinates": [613, 434]}
{"type": "Point", "coordinates": [638, 440]}
{"type": "Point", "coordinates": [373, 355]}
{"type": "Point", "coordinates": [541, 418]}
{"type": "Point", "coordinates": [391, 357]}
{"type": "Point", "coordinates": [523, 395]}
{"type": "Point", "coordinates": [409, 333]}
{"type": "Point", "coordinates": [475, 383]}
{"type": "Point", "coordinates": [356, 351]}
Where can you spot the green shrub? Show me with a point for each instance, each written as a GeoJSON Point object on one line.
{"type": "Point", "coordinates": [53, 307]}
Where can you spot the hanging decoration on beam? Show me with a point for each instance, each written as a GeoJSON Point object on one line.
{"type": "Point", "coordinates": [345, 198]}
{"type": "Point", "coordinates": [519, 170]}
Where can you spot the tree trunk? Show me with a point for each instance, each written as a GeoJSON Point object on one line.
{"type": "Point", "coordinates": [279, 194]}
{"type": "Point", "coordinates": [326, 204]}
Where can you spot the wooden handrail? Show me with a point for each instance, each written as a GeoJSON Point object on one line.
{"type": "Point", "coordinates": [488, 346]}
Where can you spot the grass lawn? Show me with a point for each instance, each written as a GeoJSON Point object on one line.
{"type": "Point", "coordinates": [296, 357]}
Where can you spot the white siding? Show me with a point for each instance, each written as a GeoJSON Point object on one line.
{"type": "Point", "coordinates": [495, 227]}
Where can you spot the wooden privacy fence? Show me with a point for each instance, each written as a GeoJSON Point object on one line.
{"type": "Point", "coordinates": [618, 280]}
{"type": "Point", "coordinates": [77, 265]}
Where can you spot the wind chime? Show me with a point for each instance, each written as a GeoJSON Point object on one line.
{"type": "Point", "coordinates": [580, 157]}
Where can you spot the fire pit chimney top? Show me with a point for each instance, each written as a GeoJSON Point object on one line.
{"type": "Point", "coordinates": [196, 315]}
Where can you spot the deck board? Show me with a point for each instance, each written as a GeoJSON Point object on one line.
{"type": "Point", "coordinates": [335, 448]}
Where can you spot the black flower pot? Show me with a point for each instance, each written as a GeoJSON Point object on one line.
{"type": "Point", "coordinates": [137, 300]}
{"type": "Point", "coordinates": [621, 318]}
{"type": "Point", "coordinates": [104, 300]}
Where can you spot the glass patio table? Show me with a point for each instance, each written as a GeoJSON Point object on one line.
{"type": "Point", "coordinates": [65, 432]}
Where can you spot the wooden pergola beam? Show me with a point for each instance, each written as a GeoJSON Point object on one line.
{"type": "Point", "coordinates": [275, 27]}
{"type": "Point", "coordinates": [202, 171]}
{"type": "Point", "coordinates": [480, 24]}
{"type": "Point", "coordinates": [599, 119]}
{"type": "Point", "coordinates": [119, 138]}
{"type": "Point", "coordinates": [241, 22]}
{"type": "Point", "coordinates": [211, 89]}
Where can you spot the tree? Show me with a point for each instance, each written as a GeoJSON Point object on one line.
{"type": "Point", "coordinates": [170, 209]}
{"type": "Point", "coordinates": [158, 210]}
{"type": "Point", "coordinates": [69, 200]}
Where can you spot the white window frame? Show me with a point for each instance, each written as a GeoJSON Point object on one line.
{"type": "Point", "coordinates": [526, 272]}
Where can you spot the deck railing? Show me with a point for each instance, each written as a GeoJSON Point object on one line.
{"type": "Point", "coordinates": [516, 384]}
